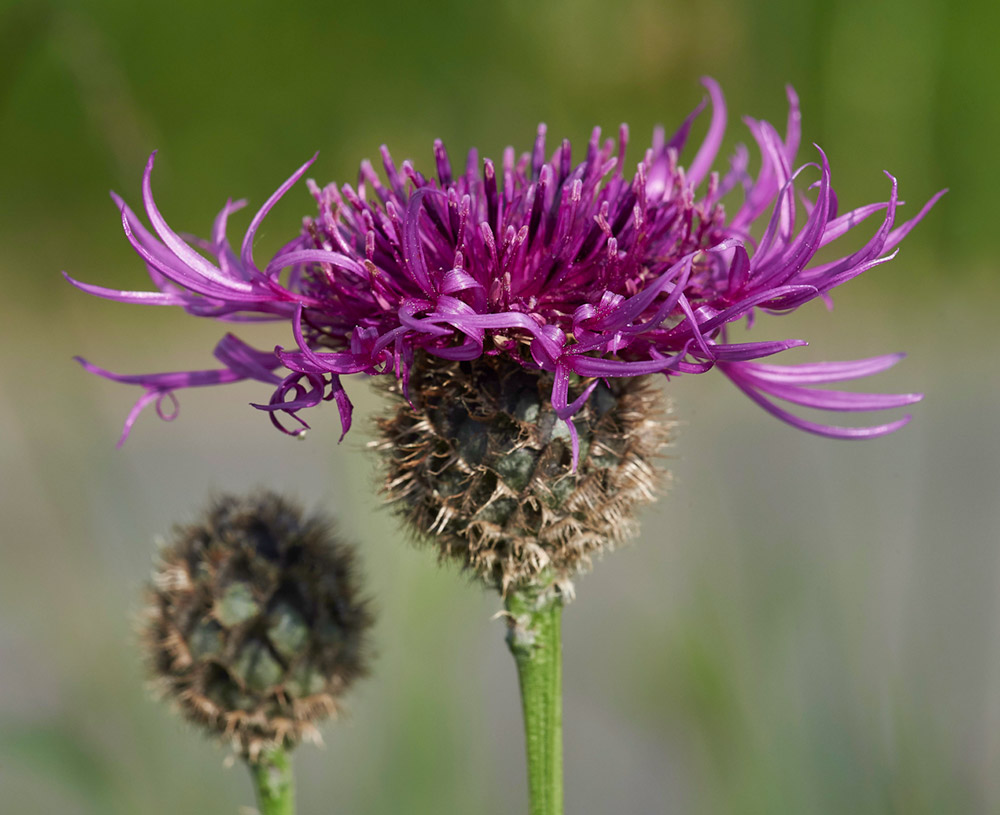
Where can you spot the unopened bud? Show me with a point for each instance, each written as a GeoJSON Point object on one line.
{"type": "Point", "coordinates": [254, 625]}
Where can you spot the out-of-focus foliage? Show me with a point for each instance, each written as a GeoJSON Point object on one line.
{"type": "Point", "coordinates": [805, 626]}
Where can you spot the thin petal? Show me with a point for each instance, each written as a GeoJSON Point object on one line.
{"type": "Point", "coordinates": [709, 149]}
{"type": "Point", "coordinates": [151, 298]}
{"type": "Point", "coordinates": [829, 431]}
{"type": "Point", "coordinates": [185, 253]}
{"type": "Point", "coordinates": [246, 250]}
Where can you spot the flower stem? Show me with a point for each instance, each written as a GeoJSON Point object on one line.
{"type": "Point", "coordinates": [534, 637]}
{"type": "Point", "coordinates": [272, 780]}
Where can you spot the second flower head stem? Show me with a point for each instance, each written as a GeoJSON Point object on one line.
{"type": "Point", "coordinates": [273, 783]}
{"type": "Point", "coordinates": [534, 637]}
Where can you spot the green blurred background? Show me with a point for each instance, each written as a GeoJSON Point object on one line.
{"type": "Point", "coordinates": [806, 626]}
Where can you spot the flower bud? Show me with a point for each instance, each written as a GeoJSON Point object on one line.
{"type": "Point", "coordinates": [254, 626]}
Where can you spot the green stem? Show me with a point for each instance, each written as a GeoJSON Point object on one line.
{"type": "Point", "coordinates": [535, 639]}
{"type": "Point", "coordinates": [272, 781]}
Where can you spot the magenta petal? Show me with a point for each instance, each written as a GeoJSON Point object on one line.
{"type": "Point", "coordinates": [793, 131]}
{"type": "Point", "coordinates": [739, 351]}
{"type": "Point", "coordinates": [840, 400]}
{"type": "Point", "coordinates": [824, 372]}
{"type": "Point", "coordinates": [246, 250]}
{"type": "Point", "coordinates": [843, 224]}
{"type": "Point", "coordinates": [165, 381]}
{"type": "Point", "coordinates": [903, 230]}
{"type": "Point", "coordinates": [300, 256]}
{"type": "Point", "coordinates": [713, 140]}
{"type": "Point", "coordinates": [246, 361]}
{"type": "Point", "coordinates": [173, 241]}
{"type": "Point", "coordinates": [830, 431]}
{"type": "Point", "coordinates": [152, 298]}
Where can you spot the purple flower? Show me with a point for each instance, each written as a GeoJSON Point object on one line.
{"type": "Point", "coordinates": [578, 269]}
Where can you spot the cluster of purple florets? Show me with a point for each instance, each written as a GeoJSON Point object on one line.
{"type": "Point", "coordinates": [587, 270]}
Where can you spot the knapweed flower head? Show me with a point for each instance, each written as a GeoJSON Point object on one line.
{"type": "Point", "coordinates": [589, 270]}
{"type": "Point", "coordinates": [254, 625]}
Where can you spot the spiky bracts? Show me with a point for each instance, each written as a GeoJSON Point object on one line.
{"type": "Point", "coordinates": [254, 625]}
{"type": "Point", "coordinates": [480, 465]}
